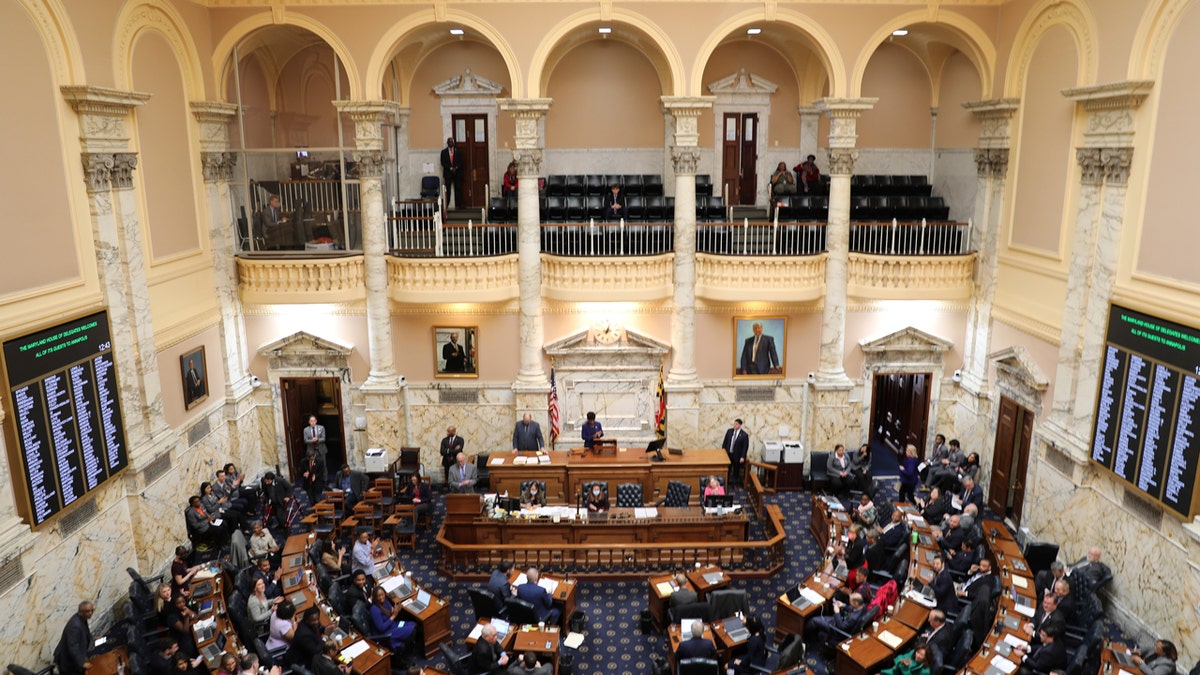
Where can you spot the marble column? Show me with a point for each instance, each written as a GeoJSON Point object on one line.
{"type": "Point", "coordinates": [1104, 161]}
{"type": "Point", "coordinates": [527, 153]}
{"type": "Point", "coordinates": [991, 167]}
{"type": "Point", "coordinates": [843, 115]}
{"type": "Point", "coordinates": [382, 390]}
{"type": "Point", "coordinates": [810, 124]}
{"type": "Point", "coordinates": [108, 170]}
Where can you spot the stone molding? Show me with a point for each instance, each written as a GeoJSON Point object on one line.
{"type": "Point", "coordinates": [371, 163]}
{"type": "Point", "coordinates": [103, 171]}
{"type": "Point", "coordinates": [214, 118]}
{"type": "Point", "coordinates": [217, 165]}
{"type": "Point", "coordinates": [685, 160]}
{"type": "Point", "coordinates": [369, 118]}
{"type": "Point", "coordinates": [102, 114]}
{"type": "Point", "coordinates": [301, 280]}
{"type": "Point", "coordinates": [995, 120]}
{"type": "Point", "coordinates": [911, 277]}
{"type": "Point", "coordinates": [529, 162]}
{"type": "Point", "coordinates": [686, 111]}
{"type": "Point", "coordinates": [1110, 111]}
{"type": "Point", "coordinates": [991, 162]}
{"type": "Point", "coordinates": [843, 114]}
{"type": "Point", "coordinates": [527, 115]}
{"type": "Point", "coordinates": [841, 161]}
{"type": "Point", "coordinates": [468, 84]}
{"type": "Point", "coordinates": [599, 279]}
{"type": "Point", "coordinates": [721, 278]}
{"type": "Point", "coordinates": [476, 280]}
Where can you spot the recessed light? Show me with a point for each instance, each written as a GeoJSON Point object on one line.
{"type": "Point", "coordinates": [753, 31]}
{"type": "Point", "coordinates": [456, 31]}
{"type": "Point", "coordinates": [604, 31]}
{"type": "Point", "coordinates": [900, 32]}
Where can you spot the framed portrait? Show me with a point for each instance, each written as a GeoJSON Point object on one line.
{"type": "Point", "coordinates": [193, 369]}
{"type": "Point", "coordinates": [455, 351]}
{"type": "Point", "coordinates": [758, 346]}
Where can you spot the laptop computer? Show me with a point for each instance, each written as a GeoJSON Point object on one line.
{"type": "Point", "coordinates": [736, 629]}
{"type": "Point", "coordinates": [206, 607]}
{"type": "Point", "coordinates": [213, 650]}
{"type": "Point", "coordinates": [714, 501]}
{"type": "Point", "coordinates": [298, 599]}
{"type": "Point", "coordinates": [295, 561]}
{"type": "Point", "coordinates": [1124, 659]}
{"type": "Point", "coordinates": [401, 591]}
{"type": "Point", "coordinates": [205, 632]}
{"type": "Point", "coordinates": [293, 581]}
{"type": "Point", "coordinates": [793, 593]}
{"type": "Point", "coordinates": [202, 589]}
{"type": "Point", "coordinates": [419, 603]}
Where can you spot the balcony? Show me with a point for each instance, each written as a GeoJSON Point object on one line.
{"type": "Point", "coordinates": [300, 280]}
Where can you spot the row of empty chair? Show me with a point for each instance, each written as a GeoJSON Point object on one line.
{"type": "Point", "coordinates": [798, 208]}
{"type": "Point", "coordinates": [598, 184]}
{"type": "Point", "coordinates": [583, 208]}
{"type": "Point", "coordinates": [873, 184]}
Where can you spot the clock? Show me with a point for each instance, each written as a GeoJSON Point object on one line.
{"type": "Point", "coordinates": [607, 332]}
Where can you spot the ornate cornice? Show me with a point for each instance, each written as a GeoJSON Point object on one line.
{"type": "Point", "coordinates": [1116, 163]}
{"type": "Point", "coordinates": [369, 118]}
{"type": "Point", "coordinates": [214, 118]}
{"type": "Point", "coordinates": [122, 172]}
{"type": "Point", "coordinates": [102, 114]}
{"type": "Point", "coordinates": [1091, 171]}
{"type": "Point", "coordinates": [686, 111]}
{"type": "Point", "coordinates": [995, 120]}
{"type": "Point", "coordinates": [527, 114]}
{"type": "Point", "coordinates": [1110, 109]}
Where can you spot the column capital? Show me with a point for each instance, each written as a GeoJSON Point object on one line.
{"type": "Point", "coordinates": [841, 161]}
{"type": "Point", "coordinates": [369, 118]}
{"type": "Point", "coordinates": [1110, 108]}
{"type": "Point", "coordinates": [995, 120]}
{"type": "Point", "coordinates": [217, 166]}
{"type": "Point", "coordinates": [808, 110]}
{"type": "Point", "coordinates": [843, 114]}
{"type": "Point", "coordinates": [1116, 163]}
{"type": "Point", "coordinates": [991, 162]}
{"type": "Point", "coordinates": [102, 114]}
{"type": "Point", "coordinates": [528, 114]}
{"type": "Point", "coordinates": [371, 163]}
{"type": "Point", "coordinates": [1091, 167]}
{"type": "Point", "coordinates": [529, 162]}
{"type": "Point", "coordinates": [685, 159]}
{"type": "Point", "coordinates": [686, 111]}
{"type": "Point", "coordinates": [214, 118]}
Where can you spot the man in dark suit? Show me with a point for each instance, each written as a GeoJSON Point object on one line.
{"type": "Point", "coordinates": [353, 484]}
{"type": "Point", "coordinates": [359, 591]}
{"type": "Point", "coordinates": [538, 597]}
{"type": "Point", "coordinates": [452, 172]}
{"type": "Point", "coordinates": [1066, 602]}
{"type": "Point", "coordinates": [1047, 615]}
{"type": "Point", "coordinates": [943, 586]}
{"type": "Point", "coordinates": [277, 494]}
{"type": "Point", "coordinates": [71, 655]}
{"type": "Point", "coordinates": [313, 476]}
{"type": "Point", "coordinates": [1051, 654]}
{"type": "Point", "coordinates": [939, 638]}
{"type": "Point", "coordinates": [1045, 580]}
{"type": "Point", "coordinates": [454, 355]}
{"type": "Point", "coordinates": [736, 445]}
{"type": "Point", "coordinates": [846, 618]}
{"type": "Point", "coordinates": [684, 595]}
{"type": "Point", "coordinates": [970, 494]}
{"type": "Point", "coordinates": [895, 532]}
{"type": "Point", "coordinates": [193, 383]}
{"type": "Point", "coordinates": [758, 353]}
{"type": "Point", "coordinates": [487, 656]}
{"type": "Point", "coordinates": [527, 435]}
{"type": "Point", "coordinates": [979, 580]}
{"type": "Point", "coordinates": [614, 203]}
{"type": "Point", "coordinates": [498, 584]}
{"type": "Point", "coordinates": [697, 646]}
{"type": "Point", "coordinates": [451, 445]}
{"type": "Point", "coordinates": [273, 226]}
{"type": "Point", "coordinates": [952, 534]}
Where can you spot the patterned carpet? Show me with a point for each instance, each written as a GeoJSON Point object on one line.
{"type": "Point", "coordinates": [613, 642]}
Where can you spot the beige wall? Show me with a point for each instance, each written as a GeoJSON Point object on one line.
{"type": "Point", "coordinates": [957, 128]}
{"type": "Point", "coordinates": [1046, 160]}
{"type": "Point", "coordinates": [306, 91]}
{"type": "Point", "coordinates": [496, 344]}
{"type": "Point", "coordinates": [762, 60]}
{"type": "Point", "coordinates": [425, 116]}
{"type": "Point", "coordinates": [605, 96]}
{"type": "Point", "coordinates": [898, 315]}
{"type": "Point", "coordinates": [38, 217]}
{"type": "Point", "coordinates": [1170, 217]}
{"type": "Point", "coordinates": [901, 117]}
{"type": "Point", "coordinates": [170, 375]}
{"type": "Point", "coordinates": [347, 329]}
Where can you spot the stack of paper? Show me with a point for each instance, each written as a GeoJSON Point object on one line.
{"type": "Point", "coordinates": [890, 639]}
{"type": "Point", "coordinates": [812, 596]}
{"type": "Point", "coordinates": [1015, 641]}
{"type": "Point", "coordinates": [573, 640]}
{"type": "Point", "coordinates": [664, 588]}
{"type": "Point", "coordinates": [645, 512]}
{"type": "Point", "coordinates": [549, 584]}
{"type": "Point", "coordinates": [543, 459]}
{"type": "Point", "coordinates": [521, 579]}
{"type": "Point", "coordinates": [497, 461]}
{"type": "Point", "coordinates": [1020, 582]}
{"type": "Point", "coordinates": [1003, 664]}
{"type": "Point", "coordinates": [1023, 610]}
{"type": "Point", "coordinates": [355, 649]}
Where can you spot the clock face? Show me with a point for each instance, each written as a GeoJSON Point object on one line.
{"type": "Point", "coordinates": [607, 332]}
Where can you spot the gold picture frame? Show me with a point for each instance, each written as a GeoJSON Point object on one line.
{"type": "Point", "coordinates": [456, 351]}
{"type": "Point", "coordinates": [767, 360]}
{"type": "Point", "coordinates": [193, 373]}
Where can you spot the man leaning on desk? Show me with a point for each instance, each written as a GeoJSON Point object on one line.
{"type": "Point", "coordinates": [527, 435]}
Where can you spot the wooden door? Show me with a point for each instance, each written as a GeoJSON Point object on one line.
{"type": "Point", "coordinates": [739, 157]}
{"type": "Point", "coordinates": [900, 410]}
{"type": "Point", "coordinates": [470, 136]}
{"type": "Point", "coordinates": [1010, 460]}
{"type": "Point", "coordinates": [320, 396]}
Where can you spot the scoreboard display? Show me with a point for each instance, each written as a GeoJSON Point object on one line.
{"type": "Point", "coordinates": [1146, 416]}
{"type": "Point", "coordinates": [66, 433]}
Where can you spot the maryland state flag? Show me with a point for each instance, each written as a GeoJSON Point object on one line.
{"type": "Point", "coordinates": [660, 415]}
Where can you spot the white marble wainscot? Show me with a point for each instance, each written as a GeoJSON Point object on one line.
{"type": "Point", "coordinates": [891, 161]}
{"type": "Point", "coordinates": [485, 425]}
{"type": "Point", "coordinates": [778, 420]}
{"type": "Point", "coordinates": [834, 417]}
{"type": "Point", "coordinates": [386, 427]}
{"type": "Point", "coordinates": [684, 418]}
{"type": "Point", "coordinates": [967, 419]}
{"type": "Point", "coordinates": [954, 179]}
{"type": "Point", "coordinates": [263, 435]}
{"type": "Point", "coordinates": [1155, 590]}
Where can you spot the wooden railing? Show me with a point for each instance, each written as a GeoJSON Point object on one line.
{"type": "Point", "coordinates": [624, 561]}
{"type": "Point", "coordinates": [767, 475]}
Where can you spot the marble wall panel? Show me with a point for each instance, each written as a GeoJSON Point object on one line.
{"type": "Point", "coordinates": [485, 426]}
{"type": "Point", "coordinates": [718, 407]}
{"type": "Point", "coordinates": [833, 419]}
{"type": "Point", "coordinates": [955, 180]}
{"type": "Point", "coordinates": [385, 424]}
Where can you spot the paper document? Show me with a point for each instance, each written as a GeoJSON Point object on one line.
{"type": "Point", "coordinates": [1003, 664]}
{"type": "Point", "coordinates": [645, 512]}
{"type": "Point", "coordinates": [1014, 640]}
{"type": "Point", "coordinates": [520, 459]}
{"type": "Point", "coordinates": [205, 573]}
{"type": "Point", "coordinates": [521, 579]}
{"type": "Point", "coordinates": [1023, 610]}
{"type": "Point", "coordinates": [917, 521]}
{"type": "Point", "coordinates": [664, 588]}
{"type": "Point", "coordinates": [217, 522]}
{"type": "Point", "coordinates": [392, 583]}
{"type": "Point", "coordinates": [475, 632]}
{"type": "Point", "coordinates": [812, 596]}
{"type": "Point", "coordinates": [549, 584]}
{"type": "Point", "coordinates": [956, 503]}
{"type": "Point", "coordinates": [1020, 582]}
{"type": "Point", "coordinates": [355, 649]}
{"type": "Point", "coordinates": [573, 640]}
{"type": "Point", "coordinates": [890, 639]}
{"type": "Point", "coordinates": [497, 461]}
{"type": "Point", "coordinates": [543, 459]}
{"type": "Point", "coordinates": [921, 466]}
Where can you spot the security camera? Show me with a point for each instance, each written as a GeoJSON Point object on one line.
{"type": "Point", "coordinates": [812, 377]}
{"type": "Point", "coordinates": [403, 379]}
{"type": "Point", "coordinates": [254, 381]}
{"type": "Point", "coordinates": [957, 376]}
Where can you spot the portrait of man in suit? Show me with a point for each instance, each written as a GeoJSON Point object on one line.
{"type": "Point", "coordinates": [454, 351]}
{"type": "Point", "coordinates": [759, 346]}
{"type": "Point", "coordinates": [195, 378]}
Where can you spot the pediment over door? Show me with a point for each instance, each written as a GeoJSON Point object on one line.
{"type": "Point", "coordinates": [615, 377]}
{"type": "Point", "coordinates": [303, 350]}
{"type": "Point", "coordinates": [906, 346]}
{"type": "Point", "coordinates": [1019, 377]}
{"type": "Point", "coordinates": [468, 84]}
{"type": "Point", "coordinates": [743, 87]}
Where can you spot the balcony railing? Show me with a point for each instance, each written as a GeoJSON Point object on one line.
{"type": "Point", "coordinates": [608, 239]}
{"type": "Point", "coordinates": [910, 238]}
{"type": "Point", "coordinates": [760, 239]}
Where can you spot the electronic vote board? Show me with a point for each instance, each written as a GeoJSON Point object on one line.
{"type": "Point", "coordinates": [1146, 408]}
{"type": "Point", "coordinates": [66, 433]}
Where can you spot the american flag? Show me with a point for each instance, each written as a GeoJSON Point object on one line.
{"type": "Point", "coordinates": [555, 424]}
{"type": "Point", "coordinates": [660, 415]}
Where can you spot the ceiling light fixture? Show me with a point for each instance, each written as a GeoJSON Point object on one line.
{"type": "Point", "coordinates": [457, 31]}
{"type": "Point", "coordinates": [900, 32]}
{"type": "Point", "coordinates": [604, 30]}
{"type": "Point", "coordinates": [753, 31]}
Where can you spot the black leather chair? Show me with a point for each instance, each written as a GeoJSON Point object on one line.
{"type": "Point", "coordinates": [596, 185]}
{"type": "Point", "coordinates": [836, 635]}
{"type": "Point", "coordinates": [704, 482]}
{"type": "Point", "coordinates": [726, 602]}
{"type": "Point", "coordinates": [484, 475]}
{"type": "Point", "coordinates": [431, 187]}
{"type": "Point", "coordinates": [483, 603]}
{"type": "Point", "coordinates": [962, 650]}
{"type": "Point", "coordinates": [631, 184]}
{"type": "Point", "coordinates": [576, 185]}
{"type": "Point", "coordinates": [678, 495]}
{"type": "Point", "coordinates": [456, 662]}
{"type": "Point", "coordinates": [520, 612]}
{"type": "Point", "coordinates": [629, 496]}
{"type": "Point", "coordinates": [576, 208]}
{"type": "Point", "coordinates": [692, 610]}
{"type": "Point", "coordinates": [587, 487]}
{"type": "Point", "coordinates": [704, 187]}
{"type": "Point", "coordinates": [817, 473]}
{"type": "Point", "coordinates": [699, 667]}
{"type": "Point", "coordinates": [556, 185]}
{"type": "Point", "coordinates": [540, 483]}
{"type": "Point", "coordinates": [652, 184]}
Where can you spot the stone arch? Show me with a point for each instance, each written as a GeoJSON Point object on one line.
{"type": "Point", "coordinates": [58, 36]}
{"type": "Point", "coordinates": [555, 45]}
{"type": "Point", "coordinates": [1070, 14]}
{"type": "Point", "coordinates": [158, 16]}
{"type": "Point", "coordinates": [395, 37]}
{"type": "Point", "coordinates": [1153, 37]}
{"type": "Point", "coordinates": [823, 46]}
{"type": "Point", "coordinates": [223, 52]}
{"type": "Point", "coordinates": [974, 43]}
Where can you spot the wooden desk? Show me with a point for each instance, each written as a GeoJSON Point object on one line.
{"type": "Point", "coordinates": [658, 602]}
{"type": "Point", "coordinates": [704, 587]}
{"type": "Point", "coordinates": [108, 663]}
{"type": "Point", "coordinates": [825, 518]}
{"type": "Point", "coordinates": [544, 643]}
{"type": "Point", "coordinates": [567, 471]}
{"type": "Point", "coordinates": [505, 643]}
{"type": "Point", "coordinates": [675, 637]}
{"type": "Point", "coordinates": [790, 619]}
{"type": "Point", "coordinates": [861, 654]}
{"type": "Point", "coordinates": [434, 622]}
{"type": "Point", "coordinates": [912, 614]}
{"type": "Point", "coordinates": [224, 624]}
{"type": "Point", "coordinates": [725, 644]}
{"type": "Point", "coordinates": [679, 525]}
{"type": "Point", "coordinates": [564, 597]}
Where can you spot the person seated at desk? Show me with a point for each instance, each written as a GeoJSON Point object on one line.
{"type": "Point", "coordinates": [878, 555]}
{"type": "Point", "coordinates": [1066, 603]}
{"type": "Point", "coordinates": [179, 623]}
{"type": "Point", "coordinates": [856, 583]}
{"type": "Point", "coordinates": [487, 656]}
{"type": "Point", "coordinates": [943, 586]}
{"type": "Point", "coordinates": [359, 591]}
{"type": "Point", "coordinates": [463, 475]}
{"type": "Point", "coordinates": [865, 513]}
{"type": "Point", "coordinates": [309, 638]}
{"type": "Point", "coordinates": [591, 431]}
{"type": "Point", "coordinates": [528, 665]}
{"type": "Point", "coordinates": [1045, 581]}
{"type": "Point", "coordinates": [326, 662]}
{"type": "Point", "coordinates": [363, 557]}
{"type": "Point", "coordinates": [847, 618]}
{"type": "Point", "coordinates": [262, 544]}
{"type": "Point", "coordinates": [332, 560]}
{"type": "Point", "coordinates": [913, 662]}
{"type": "Point", "coordinates": [353, 484]}
{"type": "Point", "coordinates": [383, 618]}
{"type": "Point", "coordinates": [532, 496]}
{"type": "Point", "coordinates": [835, 564]}
{"type": "Point", "coordinates": [970, 494]}
{"type": "Point", "coordinates": [964, 559]}
{"type": "Point", "coordinates": [229, 664]}
{"type": "Point", "coordinates": [1047, 615]}
{"type": "Point", "coordinates": [935, 507]}
{"type": "Point", "coordinates": [754, 652]}
{"type": "Point", "coordinates": [895, 532]}
{"type": "Point", "coordinates": [697, 646]}
{"type": "Point", "coordinates": [596, 500]}
{"type": "Point", "coordinates": [860, 468]}
{"type": "Point", "coordinates": [951, 535]}
{"type": "Point", "coordinates": [498, 585]}
{"type": "Point", "coordinates": [162, 656]}
{"type": "Point", "coordinates": [683, 595]}
{"type": "Point", "coordinates": [181, 574]}
{"type": "Point", "coordinates": [714, 487]}
{"type": "Point", "coordinates": [258, 605]}
{"type": "Point", "coordinates": [274, 226]}
{"type": "Point", "coordinates": [249, 665]}
{"type": "Point", "coordinates": [538, 597]}
{"type": "Point", "coordinates": [182, 665]}
{"type": "Point", "coordinates": [940, 637]}
{"type": "Point", "coordinates": [419, 493]}
{"type": "Point", "coordinates": [283, 626]}
{"type": "Point", "coordinates": [269, 578]}
{"type": "Point", "coordinates": [1161, 662]}
{"type": "Point", "coordinates": [1050, 655]}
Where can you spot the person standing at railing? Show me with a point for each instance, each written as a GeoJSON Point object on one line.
{"type": "Point", "coordinates": [452, 172]}
{"type": "Point", "coordinates": [510, 181]}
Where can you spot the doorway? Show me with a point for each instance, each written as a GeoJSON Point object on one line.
{"type": "Point", "coordinates": [471, 138]}
{"type": "Point", "coordinates": [320, 396]}
{"type": "Point", "coordinates": [739, 158]}
{"type": "Point", "coordinates": [900, 410]}
{"type": "Point", "coordinates": [1010, 460]}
